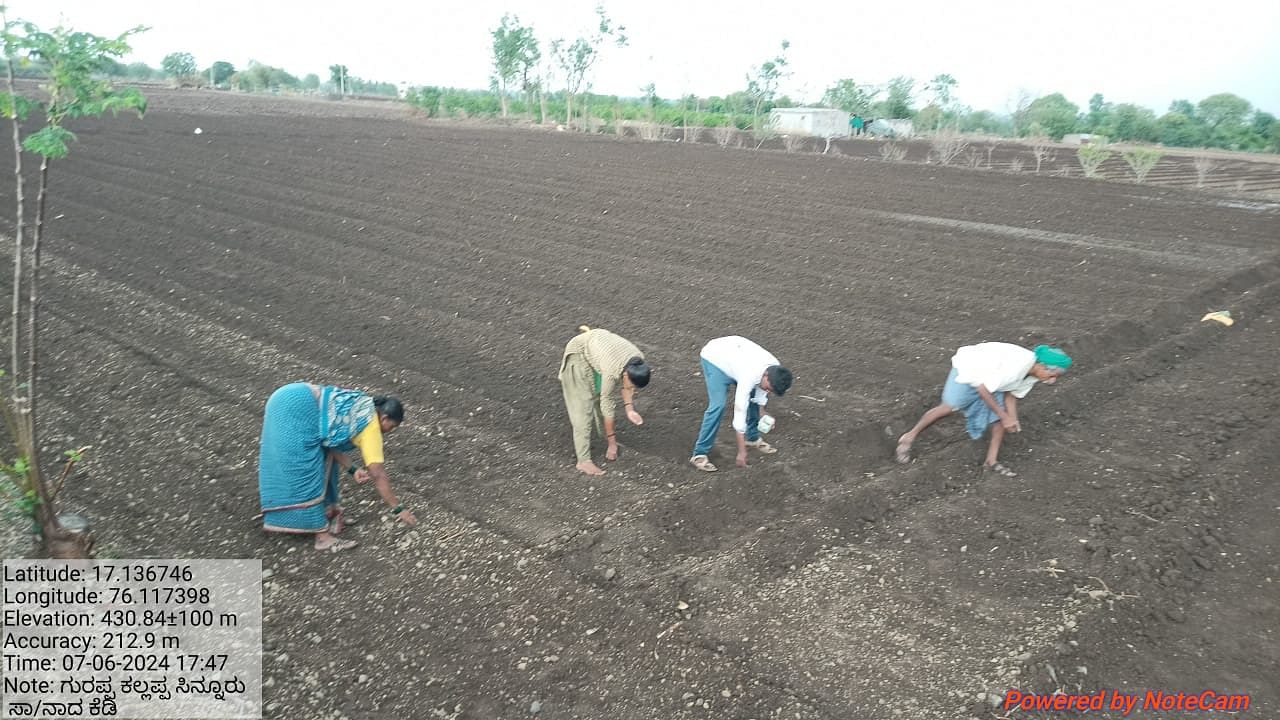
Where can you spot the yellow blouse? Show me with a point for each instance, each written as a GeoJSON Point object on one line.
{"type": "Point", "coordinates": [370, 442]}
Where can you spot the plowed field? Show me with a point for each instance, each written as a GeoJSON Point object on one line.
{"type": "Point", "coordinates": [191, 274]}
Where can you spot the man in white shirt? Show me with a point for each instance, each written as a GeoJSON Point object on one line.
{"type": "Point", "coordinates": [985, 383]}
{"type": "Point", "coordinates": [735, 360]}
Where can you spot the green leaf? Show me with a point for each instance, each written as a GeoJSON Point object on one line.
{"type": "Point", "coordinates": [9, 104]}
{"type": "Point", "coordinates": [50, 142]}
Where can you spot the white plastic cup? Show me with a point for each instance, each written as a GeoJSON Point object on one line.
{"type": "Point", "coordinates": [765, 424]}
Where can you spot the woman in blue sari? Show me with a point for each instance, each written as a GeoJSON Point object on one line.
{"type": "Point", "coordinates": [308, 433]}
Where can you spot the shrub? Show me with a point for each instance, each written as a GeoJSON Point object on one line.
{"type": "Point", "coordinates": [1092, 157]}
{"type": "Point", "coordinates": [1141, 161]}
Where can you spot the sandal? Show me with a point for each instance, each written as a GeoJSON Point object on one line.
{"type": "Point", "coordinates": [338, 546]}
{"type": "Point", "coordinates": [902, 453]}
{"type": "Point", "coordinates": [999, 469]}
{"type": "Point", "coordinates": [702, 463]}
{"type": "Point", "coordinates": [762, 446]}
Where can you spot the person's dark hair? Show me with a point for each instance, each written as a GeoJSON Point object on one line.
{"type": "Point", "coordinates": [779, 379]}
{"type": "Point", "coordinates": [389, 407]}
{"type": "Point", "coordinates": [638, 371]}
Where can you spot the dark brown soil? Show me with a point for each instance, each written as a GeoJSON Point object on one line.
{"type": "Point", "coordinates": [351, 244]}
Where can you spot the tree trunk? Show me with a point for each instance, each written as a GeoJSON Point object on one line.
{"type": "Point", "coordinates": [19, 224]}
{"type": "Point", "coordinates": [58, 543]}
{"type": "Point", "coordinates": [502, 99]}
{"type": "Point", "coordinates": [33, 299]}
{"type": "Point", "coordinates": [542, 104]}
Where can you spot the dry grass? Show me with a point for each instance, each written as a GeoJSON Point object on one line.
{"type": "Point", "coordinates": [893, 152]}
{"type": "Point", "coordinates": [947, 146]}
{"type": "Point", "coordinates": [724, 134]}
{"type": "Point", "coordinates": [791, 143]}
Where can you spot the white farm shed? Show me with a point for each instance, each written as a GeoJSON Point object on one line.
{"type": "Point", "coordinates": [818, 122]}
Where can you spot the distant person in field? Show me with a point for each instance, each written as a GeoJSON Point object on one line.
{"type": "Point", "coordinates": [986, 382]}
{"type": "Point", "coordinates": [857, 124]}
{"type": "Point", "coordinates": [737, 361]}
{"type": "Point", "coordinates": [596, 363]}
{"type": "Point", "coordinates": [308, 433]}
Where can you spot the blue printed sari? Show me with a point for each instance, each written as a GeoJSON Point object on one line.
{"type": "Point", "coordinates": [297, 480]}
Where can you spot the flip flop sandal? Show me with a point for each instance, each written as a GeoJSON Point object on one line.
{"type": "Point", "coordinates": [999, 469]}
{"type": "Point", "coordinates": [339, 546]}
{"type": "Point", "coordinates": [702, 463]}
{"type": "Point", "coordinates": [763, 447]}
{"type": "Point", "coordinates": [902, 453]}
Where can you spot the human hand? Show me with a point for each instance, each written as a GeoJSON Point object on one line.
{"type": "Point", "coordinates": [634, 416]}
{"type": "Point", "coordinates": [362, 476]}
{"type": "Point", "coordinates": [407, 518]}
{"type": "Point", "coordinates": [741, 460]}
{"type": "Point", "coordinates": [1010, 423]}
{"type": "Point", "coordinates": [611, 453]}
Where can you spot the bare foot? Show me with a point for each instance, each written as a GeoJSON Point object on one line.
{"type": "Point", "coordinates": [589, 468]}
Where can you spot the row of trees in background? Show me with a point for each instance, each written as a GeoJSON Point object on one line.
{"type": "Point", "coordinates": [1223, 120]}
{"type": "Point", "coordinates": [556, 86]}
{"type": "Point", "coordinates": [524, 83]}
{"type": "Point", "coordinates": [180, 68]}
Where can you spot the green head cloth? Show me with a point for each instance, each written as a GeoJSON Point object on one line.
{"type": "Point", "coordinates": [1052, 357]}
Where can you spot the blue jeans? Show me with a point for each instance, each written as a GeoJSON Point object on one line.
{"type": "Point", "coordinates": [718, 384]}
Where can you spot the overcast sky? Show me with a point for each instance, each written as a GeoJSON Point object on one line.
{"type": "Point", "coordinates": [1138, 51]}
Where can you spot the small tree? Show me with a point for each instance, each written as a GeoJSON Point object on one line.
{"type": "Point", "coordinates": [1042, 149]}
{"type": "Point", "coordinates": [515, 54]}
{"type": "Point", "coordinates": [340, 77]}
{"type": "Point", "coordinates": [763, 132]}
{"type": "Point", "coordinates": [1204, 165]}
{"type": "Point", "coordinates": [70, 92]}
{"type": "Point", "coordinates": [943, 88]}
{"type": "Point", "coordinates": [1092, 156]}
{"type": "Point", "coordinates": [179, 65]}
{"type": "Point", "coordinates": [898, 99]}
{"type": "Point", "coordinates": [1141, 160]}
{"type": "Point", "coordinates": [763, 87]}
{"type": "Point", "coordinates": [577, 58]}
{"type": "Point", "coordinates": [848, 96]}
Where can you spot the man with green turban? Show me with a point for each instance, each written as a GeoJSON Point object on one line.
{"type": "Point", "coordinates": [986, 382]}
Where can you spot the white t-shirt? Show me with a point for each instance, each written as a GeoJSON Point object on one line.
{"type": "Point", "coordinates": [744, 362]}
{"type": "Point", "coordinates": [997, 366]}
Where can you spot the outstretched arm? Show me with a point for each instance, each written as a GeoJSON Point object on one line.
{"type": "Point", "coordinates": [383, 484]}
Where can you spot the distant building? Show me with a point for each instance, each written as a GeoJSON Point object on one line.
{"type": "Point", "coordinates": [1078, 139]}
{"type": "Point", "coordinates": [818, 122]}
